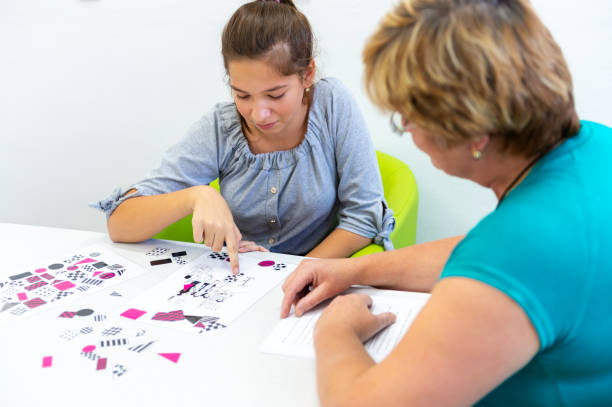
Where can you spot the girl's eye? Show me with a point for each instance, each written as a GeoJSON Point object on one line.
{"type": "Point", "coordinates": [242, 97]}
{"type": "Point", "coordinates": [277, 97]}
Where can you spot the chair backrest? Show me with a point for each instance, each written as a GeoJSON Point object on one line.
{"type": "Point", "coordinates": [400, 190]}
{"type": "Point", "coordinates": [401, 193]}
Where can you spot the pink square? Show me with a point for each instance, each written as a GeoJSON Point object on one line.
{"type": "Point", "coordinates": [47, 361]}
{"type": "Point", "coordinates": [22, 296]}
{"type": "Point", "coordinates": [64, 286]}
{"type": "Point", "coordinates": [133, 313]}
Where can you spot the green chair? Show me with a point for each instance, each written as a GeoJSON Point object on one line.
{"type": "Point", "coordinates": [400, 190]}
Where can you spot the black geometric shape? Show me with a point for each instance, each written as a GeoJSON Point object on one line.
{"type": "Point", "coordinates": [84, 312]}
{"type": "Point", "coordinates": [177, 254]}
{"type": "Point", "coordinates": [55, 266]}
{"type": "Point", "coordinates": [193, 318]}
{"type": "Point", "coordinates": [99, 264]}
{"type": "Point", "coordinates": [161, 261]}
{"type": "Point", "coordinates": [18, 276]}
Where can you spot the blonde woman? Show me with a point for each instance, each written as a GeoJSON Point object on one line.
{"type": "Point", "coordinates": [520, 307]}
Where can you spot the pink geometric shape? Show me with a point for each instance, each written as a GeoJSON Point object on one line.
{"type": "Point", "coordinates": [89, 348]}
{"type": "Point", "coordinates": [47, 361]}
{"type": "Point", "coordinates": [266, 263]}
{"type": "Point", "coordinates": [47, 276]}
{"type": "Point", "coordinates": [72, 268]}
{"type": "Point", "coordinates": [200, 325]}
{"type": "Point", "coordinates": [22, 296]}
{"type": "Point", "coordinates": [64, 286]}
{"type": "Point", "coordinates": [133, 313]}
{"type": "Point", "coordinates": [87, 260]}
{"type": "Point", "coordinates": [35, 302]}
{"type": "Point", "coordinates": [96, 273]}
{"type": "Point", "coordinates": [101, 364]}
{"type": "Point", "coordinates": [172, 357]}
{"type": "Point", "coordinates": [40, 270]}
{"type": "Point", "coordinates": [186, 287]}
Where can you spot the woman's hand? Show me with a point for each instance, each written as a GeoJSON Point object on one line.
{"type": "Point", "coordinates": [314, 281]}
{"type": "Point", "coordinates": [214, 224]}
{"type": "Point", "coordinates": [248, 246]}
{"type": "Point", "coordinates": [352, 312]}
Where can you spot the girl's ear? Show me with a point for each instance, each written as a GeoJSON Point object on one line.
{"type": "Point", "coordinates": [309, 75]}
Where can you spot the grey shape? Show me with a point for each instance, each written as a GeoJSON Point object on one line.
{"type": "Point", "coordinates": [84, 312]}
{"type": "Point", "coordinates": [8, 305]}
{"type": "Point", "coordinates": [19, 276]}
{"type": "Point", "coordinates": [55, 266]}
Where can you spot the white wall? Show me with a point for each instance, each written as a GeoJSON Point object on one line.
{"type": "Point", "coordinates": [92, 92]}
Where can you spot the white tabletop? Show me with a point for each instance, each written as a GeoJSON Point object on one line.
{"type": "Point", "coordinates": [227, 369]}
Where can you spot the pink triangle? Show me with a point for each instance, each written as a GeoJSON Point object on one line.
{"type": "Point", "coordinates": [87, 260]}
{"type": "Point", "coordinates": [172, 357]}
{"type": "Point", "coordinates": [96, 273]}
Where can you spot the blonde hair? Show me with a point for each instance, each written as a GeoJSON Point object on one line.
{"type": "Point", "coordinates": [463, 68]}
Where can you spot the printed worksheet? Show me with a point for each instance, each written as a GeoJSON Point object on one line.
{"type": "Point", "coordinates": [204, 296]}
{"type": "Point", "coordinates": [292, 336]}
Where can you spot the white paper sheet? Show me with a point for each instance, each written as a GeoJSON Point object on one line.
{"type": "Point", "coordinates": [204, 296]}
{"type": "Point", "coordinates": [292, 336]}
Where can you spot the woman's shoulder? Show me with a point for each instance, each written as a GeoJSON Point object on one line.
{"type": "Point", "coordinates": [331, 88]}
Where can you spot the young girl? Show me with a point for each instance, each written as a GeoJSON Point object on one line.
{"type": "Point", "coordinates": [294, 159]}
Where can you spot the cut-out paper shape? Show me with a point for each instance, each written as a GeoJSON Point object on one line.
{"type": "Point", "coordinates": [266, 263]}
{"type": "Point", "coordinates": [101, 364]}
{"type": "Point", "coordinates": [133, 313]}
{"type": "Point", "coordinates": [169, 316]}
{"type": "Point", "coordinates": [65, 285]}
{"type": "Point", "coordinates": [47, 361]}
{"type": "Point", "coordinates": [36, 285]}
{"type": "Point", "coordinates": [86, 330]}
{"type": "Point", "coordinates": [87, 260]}
{"type": "Point", "coordinates": [96, 273]}
{"type": "Point", "coordinates": [47, 276]}
{"type": "Point", "coordinates": [8, 305]}
{"type": "Point", "coordinates": [172, 357]}
{"type": "Point", "coordinates": [22, 296]}
{"type": "Point", "coordinates": [178, 254]}
{"type": "Point", "coordinates": [193, 318]}
{"type": "Point", "coordinates": [40, 270]}
{"type": "Point", "coordinates": [66, 314]}
{"type": "Point", "coordinates": [91, 281]}
{"type": "Point", "coordinates": [106, 276]}
{"type": "Point", "coordinates": [100, 264]}
{"type": "Point", "coordinates": [35, 302]}
{"type": "Point", "coordinates": [200, 325]}
{"type": "Point", "coordinates": [89, 348]}
{"type": "Point", "coordinates": [113, 342]}
{"type": "Point", "coordinates": [116, 294]}
{"type": "Point", "coordinates": [55, 266]}
{"type": "Point", "coordinates": [141, 347]}
{"type": "Point", "coordinates": [94, 254]}
{"type": "Point", "coordinates": [85, 312]}
{"type": "Point", "coordinates": [20, 276]}
{"type": "Point", "coordinates": [160, 261]}
{"type": "Point", "coordinates": [72, 268]}
{"type": "Point", "coordinates": [33, 279]}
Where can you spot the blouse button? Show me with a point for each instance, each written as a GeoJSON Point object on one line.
{"type": "Point", "coordinates": [271, 240]}
{"type": "Point", "coordinates": [272, 220]}
{"type": "Point", "coordinates": [273, 190]}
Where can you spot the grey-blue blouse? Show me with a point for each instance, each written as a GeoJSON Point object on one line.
{"type": "Point", "coordinates": [286, 201]}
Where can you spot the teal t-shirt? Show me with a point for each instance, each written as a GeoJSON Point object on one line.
{"type": "Point", "coordinates": [549, 247]}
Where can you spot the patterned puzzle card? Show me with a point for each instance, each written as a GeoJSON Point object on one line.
{"type": "Point", "coordinates": [31, 290]}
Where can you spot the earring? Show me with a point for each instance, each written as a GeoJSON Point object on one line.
{"type": "Point", "coordinates": [307, 89]}
{"type": "Point", "coordinates": [477, 155]}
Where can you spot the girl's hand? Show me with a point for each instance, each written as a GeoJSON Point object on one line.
{"type": "Point", "coordinates": [248, 246]}
{"type": "Point", "coordinates": [214, 224]}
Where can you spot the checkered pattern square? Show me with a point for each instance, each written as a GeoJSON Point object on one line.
{"type": "Point", "coordinates": [89, 268]}
{"type": "Point", "coordinates": [36, 285]}
{"type": "Point", "coordinates": [61, 294]}
{"type": "Point", "coordinates": [111, 331]}
{"type": "Point", "coordinates": [19, 310]}
{"type": "Point", "coordinates": [169, 316]}
{"type": "Point", "coordinates": [86, 330]}
{"type": "Point", "coordinates": [33, 279]}
{"type": "Point", "coordinates": [75, 275]}
{"type": "Point", "coordinates": [158, 251]}
{"type": "Point", "coordinates": [74, 258]}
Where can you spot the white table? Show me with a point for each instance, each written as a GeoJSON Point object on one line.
{"type": "Point", "coordinates": [229, 369]}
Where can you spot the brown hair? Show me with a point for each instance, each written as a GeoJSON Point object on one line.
{"type": "Point", "coordinates": [275, 31]}
{"type": "Point", "coordinates": [463, 68]}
